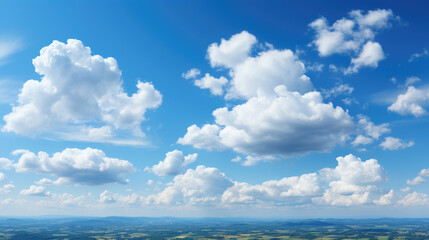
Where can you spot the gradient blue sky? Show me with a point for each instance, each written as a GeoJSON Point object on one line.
{"type": "Point", "coordinates": [157, 42]}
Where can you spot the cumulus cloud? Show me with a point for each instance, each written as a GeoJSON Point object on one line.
{"type": "Point", "coordinates": [78, 91]}
{"type": "Point", "coordinates": [386, 199]}
{"type": "Point", "coordinates": [232, 51]}
{"type": "Point", "coordinates": [352, 182]}
{"type": "Point", "coordinates": [174, 163]}
{"type": "Point", "coordinates": [411, 102]}
{"type": "Point", "coordinates": [259, 76]}
{"type": "Point", "coordinates": [416, 181]}
{"type": "Point", "coordinates": [109, 198]}
{"type": "Point", "coordinates": [281, 115]}
{"type": "Point", "coordinates": [202, 138]}
{"type": "Point", "coordinates": [420, 178]}
{"type": "Point", "coordinates": [370, 129]}
{"type": "Point", "coordinates": [391, 143]}
{"type": "Point", "coordinates": [35, 190]}
{"type": "Point", "coordinates": [274, 191]}
{"type": "Point", "coordinates": [362, 140]}
{"type": "Point", "coordinates": [215, 85]}
{"type": "Point", "coordinates": [191, 73]}
{"type": "Point", "coordinates": [371, 54]}
{"type": "Point", "coordinates": [75, 166]}
{"type": "Point", "coordinates": [353, 35]}
{"type": "Point", "coordinates": [204, 185]}
{"type": "Point", "coordinates": [414, 199]}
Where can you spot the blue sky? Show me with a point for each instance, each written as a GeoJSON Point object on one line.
{"type": "Point", "coordinates": [204, 108]}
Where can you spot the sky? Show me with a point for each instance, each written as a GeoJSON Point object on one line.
{"type": "Point", "coordinates": [266, 109]}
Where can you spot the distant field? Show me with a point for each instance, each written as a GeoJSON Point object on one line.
{"type": "Point", "coordinates": [185, 229]}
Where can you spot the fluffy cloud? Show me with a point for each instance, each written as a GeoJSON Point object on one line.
{"type": "Point", "coordinates": [281, 115]}
{"type": "Point", "coordinates": [288, 124]}
{"type": "Point", "coordinates": [353, 35]}
{"type": "Point", "coordinates": [362, 140]}
{"type": "Point", "coordinates": [391, 143]}
{"type": "Point", "coordinates": [259, 76]}
{"type": "Point", "coordinates": [371, 54]}
{"type": "Point", "coordinates": [78, 90]}
{"type": "Point", "coordinates": [75, 166]}
{"type": "Point", "coordinates": [411, 102]}
{"type": "Point", "coordinates": [109, 198]}
{"type": "Point", "coordinates": [352, 182]}
{"type": "Point", "coordinates": [35, 190]}
{"type": "Point", "coordinates": [215, 85]}
{"type": "Point", "coordinates": [232, 51]}
{"type": "Point", "coordinates": [277, 191]}
{"type": "Point", "coordinates": [191, 73]}
{"type": "Point", "coordinates": [386, 199]}
{"type": "Point", "coordinates": [416, 181]}
{"type": "Point", "coordinates": [420, 178]}
{"type": "Point", "coordinates": [202, 138]}
{"type": "Point", "coordinates": [204, 185]}
{"type": "Point", "coordinates": [370, 129]}
{"type": "Point", "coordinates": [414, 199]}
{"type": "Point", "coordinates": [173, 164]}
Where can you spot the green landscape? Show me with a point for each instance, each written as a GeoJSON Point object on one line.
{"type": "Point", "coordinates": [178, 228]}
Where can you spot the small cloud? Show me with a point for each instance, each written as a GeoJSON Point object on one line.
{"type": "Point", "coordinates": [391, 143]}
{"type": "Point", "coordinates": [415, 56]}
{"type": "Point", "coordinates": [191, 73]}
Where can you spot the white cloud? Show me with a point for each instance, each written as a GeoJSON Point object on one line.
{"type": "Point", "coordinates": [281, 115]}
{"type": "Point", "coordinates": [338, 90]}
{"type": "Point", "coordinates": [259, 76]}
{"type": "Point", "coordinates": [362, 140]}
{"type": "Point", "coordinates": [411, 80]}
{"type": "Point", "coordinates": [415, 56]}
{"type": "Point", "coordinates": [173, 164]}
{"type": "Point", "coordinates": [202, 138]}
{"type": "Point", "coordinates": [7, 188]}
{"type": "Point", "coordinates": [407, 189]}
{"type": "Point", "coordinates": [414, 199]}
{"type": "Point", "coordinates": [424, 172]}
{"type": "Point", "coordinates": [391, 143]}
{"type": "Point", "coordinates": [370, 55]}
{"type": "Point", "coordinates": [386, 199]}
{"type": "Point", "coordinates": [75, 166]}
{"type": "Point", "coordinates": [78, 91]}
{"type": "Point", "coordinates": [191, 73]}
{"type": "Point", "coordinates": [352, 35]}
{"type": "Point", "coordinates": [36, 191]}
{"type": "Point", "coordinates": [277, 191]}
{"type": "Point", "coordinates": [204, 185]}
{"type": "Point", "coordinates": [215, 85]}
{"type": "Point", "coordinates": [67, 199]}
{"type": "Point", "coordinates": [352, 182]}
{"type": "Point", "coordinates": [411, 102]}
{"type": "Point", "coordinates": [370, 129]}
{"type": "Point", "coordinates": [289, 124]}
{"type": "Point", "coordinates": [8, 46]}
{"type": "Point", "coordinates": [109, 198]}
{"type": "Point", "coordinates": [6, 163]}
{"type": "Point", "coordinates": [231, 52]}
{"type": "Point", "coordinates": [416, 181]}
